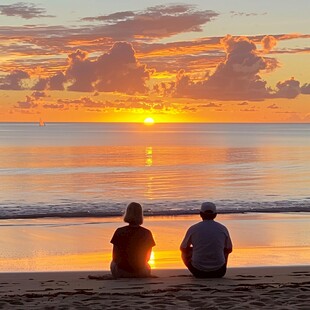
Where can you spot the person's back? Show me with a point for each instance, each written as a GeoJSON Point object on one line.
{"type": "Point", "coordinates": [206, 245]}
{"type": "Point", "coordinates": [132, 246]}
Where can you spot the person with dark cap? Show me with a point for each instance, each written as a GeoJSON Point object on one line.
{"type": "Point", "coordinates": [206, 245]}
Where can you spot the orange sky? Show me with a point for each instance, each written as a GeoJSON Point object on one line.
{"type": "Point", "coordinates": [174, 63]}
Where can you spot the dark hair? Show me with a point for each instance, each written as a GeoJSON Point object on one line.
{"type": "Point", "coordinates": [134, 214]}
{"type": "Point", "coordinates": [208, 216]}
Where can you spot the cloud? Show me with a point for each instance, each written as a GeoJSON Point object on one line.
{"type": "Point", "coordinates": [55, 82]}
{"type": "Point", "coordinates": [133, 104]}
{"type": "Point", "coordinates": [288, 89]}
{"type": "Point", "coordinates": [38, 95]}
{"type": "Point", "coordinates": [29, 103]}
{"type": "Point", "coordinates": [234, 13]}
{"type": "Point", "coordinates": [117, 70]}
{"type": "Point", "coordinates": [209, 105]}
{"type": "Point", "coordinates": [32, 101]}
{"type": "Point", "coordinates": [54, 106]}
{"type": "Point", "coordinates": [24, 10]}
{"type": "Point", "coordinates": [273, 106]}
{"type": "Point", "coordinates": [14, 80]}
{"type": "Point", "coordinates": [268, 43]}
{"type": "Point", "coordinates": [305, 89]}
{"type": "Point", "coordinates": [252, 109]}
{"type": "Point", "coordinates": [155, 22]}
{"type": "Point", "coordinates": [87, 102]}
{"type": "Point", "coordinates": [237, 78]}
{"type": "Point", "coordinates": [111, 17]}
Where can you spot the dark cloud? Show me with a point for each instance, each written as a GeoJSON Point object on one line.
{"type": "Point", "coordinates": [32, 101]}
{"type": "Point", "coordinates": [305, 89]}
{"type": "Point", "coordinates": [252, 109]}
{"type": "Point", "coordinates": [234, 79]}
{"type": "Point", "coordinates": [87, 102]}
{"type": "Point", "coordinates": [209, 105]}
{"type": "Point", "coordinates": [129, 104]}
{"type": "Point", "coordinates": [117, 70]}
{"type": "Point", "coordinates": [54, 106]}
{"type": "Point", "coordinates": [29, 103]}
{"type": "Point", "coordinates": [14, 80]}
{"type": "Point", "coordinates": [273, 106]}
{"type": "Point", "coordinates": [111, 17]}
{"type": "Point", "coordinates": [24, 10]}
{"type": "Point", "coordinates": [288, 89]}
{"type": "Point", "coordinates": [55, 82]}
{"type": "Point", "coordinates": [155, 22]}
{"type": "Point", "coordinates": [38, 94]}
{"type": "Point", "coordinates": [238, 77]}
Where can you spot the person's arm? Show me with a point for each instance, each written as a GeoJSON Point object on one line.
{"type": "Point", "coordinates": [226, 253]}
{"type": "Point", "coordinates": [115, 250]}
{"type": "Point", "coordinates": [150, 243]}
{"type": "Point", "coordinates": [148, 254]}
{"type": "Point", "coordinates": [115, 253]}
{"type": "Point", "coordinates": [228, 247]}
{"type": "Point", "coordinates": [186, 249]}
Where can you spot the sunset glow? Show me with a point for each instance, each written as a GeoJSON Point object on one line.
{"type": "Point", "coordinates": [148, 121]}
{"type": "Point", "coordinates": [192, 62]}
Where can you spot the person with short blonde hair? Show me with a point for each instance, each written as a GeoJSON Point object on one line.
{"type": "Point", "coordinates": [132, 246]}
{"type": "Point", "coordinates": [134, 214]}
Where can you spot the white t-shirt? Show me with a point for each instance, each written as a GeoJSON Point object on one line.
{"type": "Point", "coordinates": [209, 239]}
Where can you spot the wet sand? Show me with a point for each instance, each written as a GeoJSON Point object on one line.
{"type": "Point", "coordinates": [79, 244]}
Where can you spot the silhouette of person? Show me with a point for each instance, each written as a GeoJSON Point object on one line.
{"type": "Point", "coordinates": [206, 245]}
{"type": "Point", "coordinates": [132, 246]}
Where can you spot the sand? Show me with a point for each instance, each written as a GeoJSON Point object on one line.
{"type": "Point", "coordinates": [242, 288]}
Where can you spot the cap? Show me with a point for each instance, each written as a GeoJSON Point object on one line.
{"type": "Point", "coordinates": [208, 207]}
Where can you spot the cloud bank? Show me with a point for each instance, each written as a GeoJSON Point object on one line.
{"type": "Point", "coordinates": [23, 10]}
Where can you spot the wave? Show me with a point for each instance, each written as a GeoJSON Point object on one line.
{"type": "Point", "coordinates": [72, 209]}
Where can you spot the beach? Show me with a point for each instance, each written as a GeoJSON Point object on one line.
{"type": "Point", "coordinates": [268, 268]}
{"type": "Point", "coordinates": [63, 196]}
{"type": "Point", "coordinates": [242, 288]}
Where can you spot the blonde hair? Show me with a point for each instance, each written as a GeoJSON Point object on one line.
{"type": "Point", "coordinates": [134, 214]}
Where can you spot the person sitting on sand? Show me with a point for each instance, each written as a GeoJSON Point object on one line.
{"type": "Point", "coordinates": [206, 245]}
{"type": "Point", "coordinates": [132, 246]}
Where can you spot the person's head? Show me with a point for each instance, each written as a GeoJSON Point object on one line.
{"type": "Point", "coordinates": [134, 214]}
{"type": "Point", "coordinates": [208, 211]}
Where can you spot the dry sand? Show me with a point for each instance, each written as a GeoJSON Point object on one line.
{"type": "Point", "coordinates": [242, 288]}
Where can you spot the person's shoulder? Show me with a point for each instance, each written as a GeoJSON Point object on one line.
{"type": "Point", "coordinates": [144, 229]}
{"type": "Point", "coordinates": [121, 229]}
{"type": "Point", "coordinates": [220, 225]}
{"type": "Point", "coordinates": [195, 226]}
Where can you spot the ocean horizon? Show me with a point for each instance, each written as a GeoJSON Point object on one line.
{"type": "Point", "coordinates": [96, 169]}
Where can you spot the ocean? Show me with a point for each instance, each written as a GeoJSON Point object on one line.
{"type": "Point", "coordinates": [96, 169]}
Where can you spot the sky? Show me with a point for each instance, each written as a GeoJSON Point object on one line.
{"type": "Point", "coordinates": [127, 60]}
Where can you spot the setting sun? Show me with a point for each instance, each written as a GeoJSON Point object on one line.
{"type": "Point", "coordinates": [149, 121]}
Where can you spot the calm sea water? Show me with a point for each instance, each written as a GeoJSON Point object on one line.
{"type": "Point", "coordinates": [96, 169]}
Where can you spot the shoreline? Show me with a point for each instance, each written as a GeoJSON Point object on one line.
{"type": "Point", "coordinates": [99, 215]}
{"type": "Point", "coordinates": [241, 288]}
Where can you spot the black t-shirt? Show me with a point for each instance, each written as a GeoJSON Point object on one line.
{"type": "Point", "coordinates": [131, 246]}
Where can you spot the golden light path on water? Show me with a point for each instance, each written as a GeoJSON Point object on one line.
{"type": "Point", "coordinates": [84, 244]}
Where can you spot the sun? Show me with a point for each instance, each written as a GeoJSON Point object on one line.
{"type": "Point", "coordinates": [149, 121]}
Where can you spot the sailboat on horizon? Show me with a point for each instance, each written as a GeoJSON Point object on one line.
{"type": "Point", "coordinates": [41, 123]}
